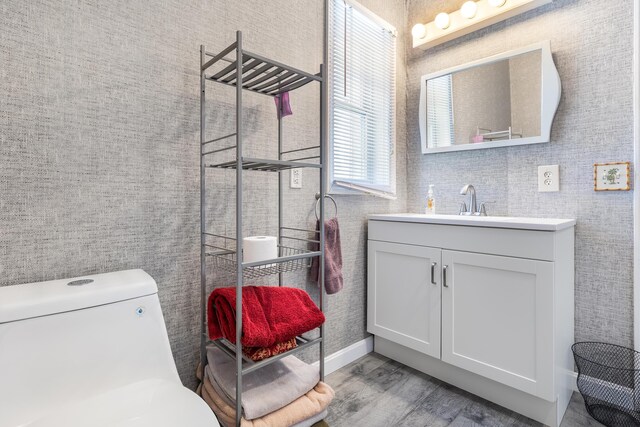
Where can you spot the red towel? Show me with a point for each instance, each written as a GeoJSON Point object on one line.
{"type": "Point", "coordinates": [270, 314]}
{"type": "Point", "coordinates": [260, 353]}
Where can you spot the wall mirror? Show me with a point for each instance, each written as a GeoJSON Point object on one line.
{"type": "Point", "coordinates": [503, 100]}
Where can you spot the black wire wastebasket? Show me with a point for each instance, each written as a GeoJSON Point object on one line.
{"type": "Point", "coordinates": [607, 378]}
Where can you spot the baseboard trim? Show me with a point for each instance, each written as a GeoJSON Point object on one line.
{"type": "Point", "coordinates": [343, 357]}
{"type": "Point", "coordinates": [574, 375]}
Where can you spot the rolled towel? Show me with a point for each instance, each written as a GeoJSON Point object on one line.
{"type": "Point", "coordinates": [264, 390]}
{"type": "Point", "coordinates": [303, 408]}
{"type": "Point", "coordinates": [270, 314]}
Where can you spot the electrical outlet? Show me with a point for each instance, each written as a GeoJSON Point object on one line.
{"type": "Point", "coordinates": [548, 178]}
{"type": "Point", "coordinates": [295, 178]}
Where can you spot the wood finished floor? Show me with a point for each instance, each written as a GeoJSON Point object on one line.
{"type": "Point", "coordinates": [376, 391]}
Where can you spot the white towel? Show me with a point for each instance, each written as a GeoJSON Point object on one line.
{"type": "Point", "coordinates": [266, 389]}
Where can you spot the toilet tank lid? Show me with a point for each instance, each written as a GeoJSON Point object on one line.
{"type": "Point", "coordinates": [30, 300]}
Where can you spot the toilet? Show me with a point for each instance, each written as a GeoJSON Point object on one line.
{"type": "Point", "coordinates": [91, 351]}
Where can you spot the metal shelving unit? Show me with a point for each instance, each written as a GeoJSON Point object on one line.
{"type": "Point", "coordinates": [249, 72]}
{"type": "Point", "coordinates": [490, 135]}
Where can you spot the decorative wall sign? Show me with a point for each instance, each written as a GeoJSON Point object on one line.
{"type": "Point", "coordinates": [612, 176]}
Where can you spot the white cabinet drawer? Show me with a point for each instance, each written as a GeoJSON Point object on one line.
{"type": "Point", "coordinates": [497, 241]}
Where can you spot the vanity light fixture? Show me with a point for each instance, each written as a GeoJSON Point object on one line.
{"type": "Point", "coordinates": [472, 16]}
{"type": "Point", "coordinates": [442, 20]}
{"type": "Point", "coordinates": [418, 31]}
{"type": "Point", "coordinates": [469, 9]}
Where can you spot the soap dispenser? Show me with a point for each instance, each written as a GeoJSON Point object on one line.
{"type": "Point", "coordinates": [431, 202]}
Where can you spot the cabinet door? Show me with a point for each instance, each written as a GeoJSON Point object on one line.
{"type": "Point", "coordinates": [497, 319]}
{"type": "Point", "coordinates": [403, 301]}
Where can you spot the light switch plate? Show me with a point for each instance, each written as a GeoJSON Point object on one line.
{"type": "Point", "coordinates": [548, 178]}
{"type": "Point", "coordinates": [295, 176]}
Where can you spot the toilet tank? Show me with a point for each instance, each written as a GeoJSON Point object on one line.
{"type": "Point", "coordinates": [65, 340]}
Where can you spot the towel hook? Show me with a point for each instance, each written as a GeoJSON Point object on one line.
{"type": "Point", "coordinates": [335, 205]}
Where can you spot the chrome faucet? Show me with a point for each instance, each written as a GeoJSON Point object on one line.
{"type": "Point", "coordinates": [473, 204]}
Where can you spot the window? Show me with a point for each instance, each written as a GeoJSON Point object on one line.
{"type": "Point", "coordinates": [362, 86]}
{"type": "Point", "coordinates": [440, 112]}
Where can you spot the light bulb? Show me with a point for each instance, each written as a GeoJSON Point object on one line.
{"type": "Point", "coordinates": [442, 20]}
{"type": "Point", "coordinates": [497, 3]}
{"type": "Point", "coordinates": [469, 9]}
{"type": "Point", "coordinates": [419, 31]}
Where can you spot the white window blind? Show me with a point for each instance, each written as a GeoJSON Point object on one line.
{"type": "Point", "coordinates": [440, 112]}
{"type": "Point", "coordinates": [362, 76]}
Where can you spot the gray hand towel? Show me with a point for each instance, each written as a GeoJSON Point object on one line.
{"type": "Point", "coordinates": [333, 281]}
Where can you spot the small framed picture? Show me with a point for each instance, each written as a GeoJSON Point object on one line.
{"type": "Point", "coordinates": [612, 176]}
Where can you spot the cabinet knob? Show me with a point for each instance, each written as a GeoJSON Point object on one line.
{"type": "Point", "coordinates": [433, 273]}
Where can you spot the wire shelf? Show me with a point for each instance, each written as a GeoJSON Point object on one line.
{"type": "Point", "coordinates": [249, 365]}
{"type": "Point", "coordinates": [259, 74]}
{"type": "Point", "coordinates": [265, 165]}
{"type": "Point", "coordinates": [289, 259]}
{"type": "Point", "coordinates": [489, 135]}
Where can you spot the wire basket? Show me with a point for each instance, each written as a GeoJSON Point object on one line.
{"type": "Point", "coordinates": [607, 379]}
{"type": "Point", "coordinates": [227, 262]}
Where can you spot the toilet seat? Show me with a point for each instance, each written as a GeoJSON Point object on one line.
{"type": "Point", "coordinates": [154, 402]}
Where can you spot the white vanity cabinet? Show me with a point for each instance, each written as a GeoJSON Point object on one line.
{"type": "Point", "coordinates": [484, 304]}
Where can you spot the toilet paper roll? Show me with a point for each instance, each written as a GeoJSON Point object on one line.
{"type": "Point", "coordinates": [259, 248]}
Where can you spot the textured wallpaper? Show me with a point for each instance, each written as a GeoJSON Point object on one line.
{"type": "Point", "coordinates": [99, 154]}
{"type": "Point", "coordinates": [525, 88]}
{"type": "Point", "coordinates": [591, 46]}
{"type": "Point", "coordinates": [481, 99]}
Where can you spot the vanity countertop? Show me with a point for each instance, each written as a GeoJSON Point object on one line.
{"type": "Point", "coordinates": [541, 224]}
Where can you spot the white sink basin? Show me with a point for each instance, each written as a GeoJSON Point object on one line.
{"type": "Point", "coordinates": [543, 224]}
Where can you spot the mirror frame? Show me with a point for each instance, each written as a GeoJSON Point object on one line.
{"type": "Point", "coordinates": [550, 89]}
